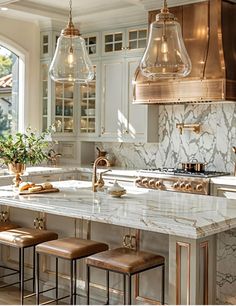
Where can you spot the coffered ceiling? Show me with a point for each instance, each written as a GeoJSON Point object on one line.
{"type": "Point", "coordinates": [91, 14]}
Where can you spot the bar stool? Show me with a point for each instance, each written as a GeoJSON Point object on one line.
{"type": "Point", "coordinates": [127, 262]}
{"type": "Point", "coordinates": [71, 249]}
{"type": "Point", "coordinates": [4, 226]}
{"type": "Point", "coordinates": [22, 238]}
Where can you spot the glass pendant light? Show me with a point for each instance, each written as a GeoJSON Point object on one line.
{"type": "Point", "coordinates": [165, 55]}
{"type": "Point", "coordinates": [71, 62]}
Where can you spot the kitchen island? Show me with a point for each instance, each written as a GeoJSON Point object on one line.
{"type": "Point", "coordinates": [189, 222]}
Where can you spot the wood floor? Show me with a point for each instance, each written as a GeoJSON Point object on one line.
{"type": "Point", "coordinates": [11, 296]}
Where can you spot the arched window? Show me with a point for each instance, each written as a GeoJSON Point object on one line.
{"type": "Point", "coordinates": [9, 91]}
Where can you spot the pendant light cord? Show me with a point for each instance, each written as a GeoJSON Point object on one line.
{"type": "Point", "coordinates": [165, 7]}
{"type": "Point", "coordinates": [70, 13]}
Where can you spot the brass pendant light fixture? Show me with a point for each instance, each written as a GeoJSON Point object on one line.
{"type": "Point", "coordinates": [165, 55]}
{"type": "Point", "coordinates": [71, 62]}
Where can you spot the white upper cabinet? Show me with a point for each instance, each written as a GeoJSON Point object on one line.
{"type": "Point", "coordinates": [112, 121]}
{"type": "Point", "coordinates": [120, 119]}
{"type": "Point", "coordinates": [124, 41]}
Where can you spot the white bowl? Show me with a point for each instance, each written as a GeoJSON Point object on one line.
{"type": "Point", "coordinates": [90, 112]}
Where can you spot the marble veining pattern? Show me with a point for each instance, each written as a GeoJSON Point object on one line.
{"type": "Point", "coordinates": [213, 144]}
{"type": "Point", "coordinates": [170, 213]}
{"type": "Point", "coordinates": [226, 263]}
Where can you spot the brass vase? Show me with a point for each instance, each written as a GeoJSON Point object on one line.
{"type": "Point", "coordinates": [18, 169]}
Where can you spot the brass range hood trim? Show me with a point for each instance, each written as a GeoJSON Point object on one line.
{"type": "Point", "coordinates": [211, 43]}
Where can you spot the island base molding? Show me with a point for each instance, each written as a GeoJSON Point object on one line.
{"type": "Point", "coordinates": [192, 271]}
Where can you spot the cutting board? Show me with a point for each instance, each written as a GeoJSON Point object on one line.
{"type": "Point", "coordinates": [26, 192]}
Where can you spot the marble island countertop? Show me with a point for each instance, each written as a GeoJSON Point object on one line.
{"type": "Point", "coordinates": [185, 215]}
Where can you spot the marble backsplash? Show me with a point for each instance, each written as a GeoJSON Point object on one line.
{"type": "Point", "coordinates": [213, 145]}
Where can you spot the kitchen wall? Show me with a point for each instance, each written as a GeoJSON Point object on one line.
{"type": "Point", "coordinates": [212, 145]}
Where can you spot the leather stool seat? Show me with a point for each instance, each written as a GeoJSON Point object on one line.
{"type": "Point", "coordinates": [25, 237]}
{"type": "Point", "coordinates": [128, 262]}
{"type": "Point", "coordinates": [71, 248]}
{"type": "Point", "coordinates": [125, 260]}
{"type": "Point", "coordinates": [5, 226]}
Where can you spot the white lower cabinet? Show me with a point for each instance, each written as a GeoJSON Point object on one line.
{"type": "Point", "coordinates": [220, 190]}
{"type": "Point", "coordinates": [120, 119]}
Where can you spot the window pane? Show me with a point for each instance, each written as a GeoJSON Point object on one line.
{"type": "Point", "coordinates": [132, 35]}
{"type": "Point", "coordinates": [109, 48]}
{"type": "Point", "coordinates": [142, 34]}
{"type": "Point", "coordinates": [118, 37]}
{"type": "Point", "coordinates": [108, 38]}
{"type": "Point", "coordinates": [9, 91]}
{"type": "Point", "coordinates": [92, 40]}
{"type": "Point", "coordinates": [142, 43]}
{"type": "Point", "coordinates": [118, 46]}
{"type": "Point", "coordinates": [133, 45]}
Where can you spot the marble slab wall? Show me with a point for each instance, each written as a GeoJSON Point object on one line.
{"type": "Point", "coordinates": [213, 145]}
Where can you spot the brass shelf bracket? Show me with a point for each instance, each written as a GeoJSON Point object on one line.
{"type": "Point", "coordinates": [195, 127]}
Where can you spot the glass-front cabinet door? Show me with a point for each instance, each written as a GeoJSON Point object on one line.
{"type": "Point", "coordinates": [91, 42]}
{"type": "Point", "coordinates": [113, 42]}
{"type": "Point", "coordinates": [64, 107]}
{"type": "Point", "coordinates": [137, 38]}
{"type": "Point", "coordinates": [88, 104]}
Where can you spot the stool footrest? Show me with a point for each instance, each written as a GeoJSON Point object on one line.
{"type": "Point", "coordinates": [8, 285]}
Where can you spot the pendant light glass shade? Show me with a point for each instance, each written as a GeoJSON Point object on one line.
{"type": "Point", "coordinates": [165, 55]}
{"type": "Point", "coordinates": [71, 62]}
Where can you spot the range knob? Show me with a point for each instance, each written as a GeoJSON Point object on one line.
{"type": "Point", "coordinates": [151, 183]}
{"type": "Point", "coordinates": [182, 185]}
{"type": "Point", "coordinates": [138, 181]}
{"type": "Point", "coordinates": [158, 184]}
{"type": "Point", "coordinates": [144, 182]}
{"type": "Point", "coordinates": [199, 187]}
{"type": "Point", "coordinates": [188, 186]}
{"type": "Point", "coordinates": [176, 185]}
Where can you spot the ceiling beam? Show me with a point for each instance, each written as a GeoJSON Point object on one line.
{"type": "Point", "coordinates": [39, 10]}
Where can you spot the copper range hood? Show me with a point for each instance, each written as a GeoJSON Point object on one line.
{"type": "Point", "coordinates": [209, 31]}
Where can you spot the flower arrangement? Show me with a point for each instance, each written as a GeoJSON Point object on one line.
{"type": "Point", "coordinates": [24, 148]}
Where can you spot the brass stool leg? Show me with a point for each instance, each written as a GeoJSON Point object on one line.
{"type": "Point", "coordinates": [163, 285]}
{"type": "Point", "coordinates": [124, 288]}
{"type": "Point", "coordinates": [71, 282]}
{"type": "Point", "coordinates": [108, 291]}
{"type": "Point", "coordinates": [88, 282]}
{"type": "Point", "coordinates": [129, 289]}
{"type": "Point", "coordinates": [56, 281]}
{"type": "Point", "coordinates": [22, 276]}
{"type": "Point", "coordinates": [75, 277]}
{"type": "Point", "coordinates": [37, 279]}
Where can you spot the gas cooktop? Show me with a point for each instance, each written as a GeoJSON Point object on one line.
{"type": "Point", "coordinates": [181, 172]}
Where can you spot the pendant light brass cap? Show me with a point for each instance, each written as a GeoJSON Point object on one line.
{"type": "Point", "coordinates": [70, 30]}
{"type": "Point", "coordinates": [165, 15]}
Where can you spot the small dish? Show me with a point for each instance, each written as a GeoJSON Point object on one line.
{"type": "Point", "coordinates": [117, 194]}
{"type": "Point", "coordinates": [116, 190]}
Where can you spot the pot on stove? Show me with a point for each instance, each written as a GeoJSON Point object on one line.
{"type": "Point", "coordinates": [193, 167]}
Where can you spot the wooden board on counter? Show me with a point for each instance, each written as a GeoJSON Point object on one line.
{"type": "Point", "coordinates": [26, 192]}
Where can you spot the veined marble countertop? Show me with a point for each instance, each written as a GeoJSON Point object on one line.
{"type": "Point", "coordinates": [224, 180]}
{"type": "Point", "coordinates": [185, 215]}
